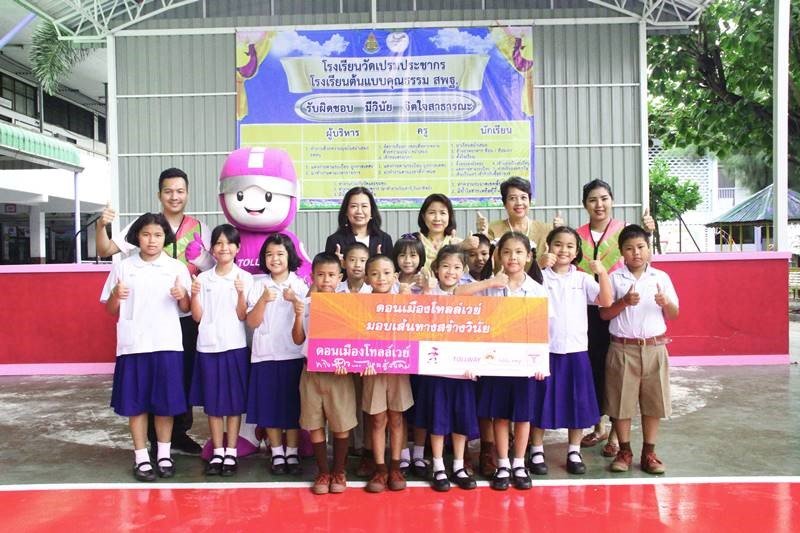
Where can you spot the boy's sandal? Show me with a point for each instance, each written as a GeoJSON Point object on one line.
{"type": "Point", "coordinates": [229, 469]}
{"type": "Point", "coordinates": [144, 475]}
{"type": "Point", "coordinates": [165, 470]}
{"type": "Point", "coordinates": [214, 468]}
{"type": "Point", "coordinates": [278, 469]}
{"type": "Point", "coordinates": [501, 483]}
{"type": "Point", "coordinates": [293, 468]}
{"type": "Point", "coordinates": [593, 439]}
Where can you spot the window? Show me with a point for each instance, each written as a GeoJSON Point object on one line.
{"type": "Point", "coordinates": [21, 95]}
{"type": "Point", "coordinates": [68, 116]}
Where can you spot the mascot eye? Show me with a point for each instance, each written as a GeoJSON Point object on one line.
{"type": "Point", "coordinates": [268, 196]}
{"type": "Point", "coordinates": [240, 196]}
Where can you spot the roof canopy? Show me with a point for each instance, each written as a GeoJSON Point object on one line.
{"type": "Point", "coordinates": [757, 210]}
{"type": "Point", "coordinates": [17, 143]}
{"type": "Point", "coordinates": [93, 20]}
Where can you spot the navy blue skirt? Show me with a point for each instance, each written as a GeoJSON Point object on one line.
{"type": "Point", "coordinates": [410, 413]}
{"type": "Point", "coordinates": [149, 383]}
{"type": "Point", "coordinates": [273, 396]}
{"type": "Point", "coordinates": [566, 398]}
{"type": "Point", "coordinates": [510, 398]}
{"type": "Point", "coordinates": [219, 382]}
{"type": "Point", "coordinates": [445, 406]}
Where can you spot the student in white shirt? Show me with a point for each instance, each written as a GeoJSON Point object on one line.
{"type": "Point", "coordinates": [219, 380]}
{"type": "Point", "coordinates": [566, 398]}
{"type": "Point", "coordinates": [275, 309]}
{"type": "Point", "coordinates": [637, 366]}
{"type": "Point", "coordinates": [354, 262]}
{"type": "Point", "coordinates": [148, 291]}
{"type": "Point", "coordinates": [506, 399]}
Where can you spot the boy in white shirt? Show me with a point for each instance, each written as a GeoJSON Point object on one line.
{"type": "Point", "coordinates": [637, 366]}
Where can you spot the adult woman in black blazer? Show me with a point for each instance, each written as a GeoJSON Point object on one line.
{"type": "Point", "coordinates": [359, 220]}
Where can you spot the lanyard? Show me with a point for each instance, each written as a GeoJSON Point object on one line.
{"type": "Point", "coordinates": [597, 244]}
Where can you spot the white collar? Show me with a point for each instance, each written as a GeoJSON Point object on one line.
{"type": "Point", "coordinates": [160, 261]}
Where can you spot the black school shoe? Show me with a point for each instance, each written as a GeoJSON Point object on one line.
{"type": "Point", "coordinates": [214, 468]}
{"type": "Point", "coordinates": [521, 480]}
{"type": "Point", "coordinates": [144, 475]}
{"type": "Point", "coordinates": [229, 469]}
{"type": "Point", "coordinates": [293, 468]}
{"type": "Point", "coordinates": [537, 469]}
{"type": "Point", "coordinates": [278, 469]}
{"type": "Point", "coordinates": [165, 467]}
{"type": "Point", "coordinates": [440, 484]}
{"type": "Point", "coordinates": [501, 483]}
{"type": "Point", "coordinates": [575, 467]}
{"type": "Point", "coordinates": [466, 482]}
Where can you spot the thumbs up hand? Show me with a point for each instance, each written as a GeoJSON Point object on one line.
{"type": "Point", "coordinates": [597, 267]}
{"type": "Point", "coordinates": [648, 222]}
{"type": "Point", "coordinates": [429, 281]}
{"type": "Point", "coordinates": [196, 287]}
{"type": "Point", "coordinates": [379, 249]}
{"type": "Point", "coordinates": [470, 243]}
{"type": "Point", "coordinates": [121, 291]}
{"type": "Point", "coordinates": [631, 297]}
{"type": "Point", "coordinates": [177, 291]}
{"type": "Point", "coordinates": [547, 259]}
{"type": "Point", "coordinates": [499, 280]}
{"type": "Point", "coordinates": [558, 220]}
{"type": "Point", "coordinates": [405, 288]}
{"type": "Point", "coordinates": [338, 253]}
{"type": "Point", "coordinates": [238, 284]}
{"type": "Point", "coordinates": [481, 225]}
{"type": "Point", "coordinates": [195, 248]}
{"type": "Point", "coordinates": [661, 298]}
{"type": "Point", "coordinates": [290, 296]}
{"type": "Point", "coordinates": [269, 295]}
{"type": "Point", "coordinates": [107, 216]}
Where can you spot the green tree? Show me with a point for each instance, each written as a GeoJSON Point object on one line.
{"type": "Point", "coordinates": [669, 197]}
{"type": "Point", "coordinates": [712, 87]}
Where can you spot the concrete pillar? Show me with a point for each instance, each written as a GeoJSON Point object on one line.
{"type": "Point", "coordinates": [91, 247]}
{"type": "Point", "coordinates": [37, 234]}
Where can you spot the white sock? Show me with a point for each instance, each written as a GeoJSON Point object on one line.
{"type": "Point", "coordinates": [438, 466]}
{"type": "Point", "coordinates": [503, 462]}
{"type": "Point", "coordinates": [518, 462]}
{"type": "Point", "coordinates": [291, 451]}
{"type": "Point", "coordinates": [217, 451]}
{"type": "Point", "coordinates": [142, 456]}
{"type": "Point", "coordinates": [536, 459]}
{"type": "Point", "coordinates": [458, 464]}
{"type": "Point", "coordinates": [232, 453]}
{"type": "Point", "coordinates": [405, 455]}
{"type": "Point", "coordinates": [419, 452]}
{"type": "Point", "coordinates": [276, 451]}
{"type": "Point", "coordinates": [163, 450]}
{"type": "Point", "coordinates": [574, 448]}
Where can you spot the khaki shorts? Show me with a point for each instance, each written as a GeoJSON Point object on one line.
{"type": "Point", "coordinates": [326, 396]}
{"type": "Point", "coordinates": [637, 375]}
{"type": "Point", "coordinates": [386, 392]}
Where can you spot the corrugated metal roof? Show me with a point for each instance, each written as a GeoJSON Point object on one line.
{"type": "Point", "coordinates": [757, 208]}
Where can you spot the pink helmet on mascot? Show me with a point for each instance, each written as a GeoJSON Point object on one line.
{"type": "Point", "coordinates": [259, 194]}
{"type": "Point", "coordinates": [258, 189]}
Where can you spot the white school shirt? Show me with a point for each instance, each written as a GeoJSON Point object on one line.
{"type": "Point", "coordinates": [529, 288]}
{"type": "Point", "coordinates": [569, 294]}
{"type": "Point", "coordinates": [220, 328]}
{"type": "Point", "coordinates": [646, 319]}
{"type": "Point", "coordinates": [149, 319]}
{"type": "Point", "coordinates": [466, 277]}
{"type": "Point", "coordinates": [306, 315]}
{"type": "Point", "coordinates": [272, 339]}
{"type": "Point", "coordinates": [342, 287]}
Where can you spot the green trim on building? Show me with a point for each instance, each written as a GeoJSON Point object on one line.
{"type": "Point", "coordinates": [31, 146]}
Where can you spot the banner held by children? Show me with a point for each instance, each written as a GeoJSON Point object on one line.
{"type": "Point", "coordinates": [421, 334]}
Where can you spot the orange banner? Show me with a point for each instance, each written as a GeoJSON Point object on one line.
{"type": "Point", "coordinates": [428, 318]}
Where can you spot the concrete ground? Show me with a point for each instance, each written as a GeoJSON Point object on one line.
{"type": "Point", "coordinates": [727, 421]}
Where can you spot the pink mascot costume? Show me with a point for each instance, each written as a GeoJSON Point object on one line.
{"type": "Point", "coordinates": [259, 194]}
